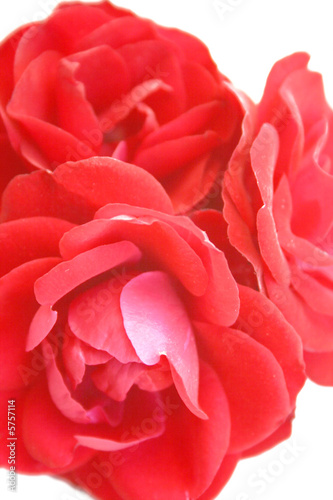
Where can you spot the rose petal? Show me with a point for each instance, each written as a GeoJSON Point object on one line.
{"type": "Point", "coordinates": [151, 321]}
{"type": "Point", "coordinates": [192, 449]}
{"type": "Point", "coordinates": [151, 237]}
{"type": "Point", "coordinates": [29, 239]}
{"type": "Point", "coordinates": [164, 158]}
{"type": "Point", "coordinates": [253, 381]}
{"type": "Point", "coordinates": [263, 158]}
{"type": "Point", "coordinates": [70, 274]}
{"type": "Point", "coordinates": [18, 306]}
{"type": "Point", "coordinates": [56, 446]}
{"type": "Point", "coordinates": [95, 317]}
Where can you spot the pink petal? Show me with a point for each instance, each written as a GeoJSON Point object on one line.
{"type": "Point", "coordinates": [95, 317]}
{"type": "Point", "coordinates": [218, 301]}
{"type": "Point", "coordinates": [115, 379]}
{"type": "Point", "coordinates": [157, 324]}
{"type": "Point", "coordinates": [263, 158]}
{"type": "Point", "coordinates": [295, 245]}
{"type": "Point", "coordinates": [60, 393]}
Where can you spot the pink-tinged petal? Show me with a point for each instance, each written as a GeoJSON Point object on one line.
{"type": "Point", "coordinates": [59, 392]}
{"type": "Point", "coordinates": [118, 32]}
{"type": "Point", "coordinates": [297, 246]}
{"type": "Point", "coordinates": [165, 158]}
{"type": "Point", "coordinates": [253, 381]}
{"type": "Point", "coordinates": [262, 320]}
{"type": "Point", "coordinates": [59, 32]}
{"type": "Point", "coordinates": [17, 308]}
{"type": "Point", "coordinates": [302, 83]}
{"type": "Point", "coordinates": [55, 447]}
{"type": "Point", "coordinates": [152, 237]}
{"type": "Point", "coordinates": [75, 113]}
{"type": "Point", "coordinates": [319, 366]}
{"type": "Point", "coordinates": [40, 326]}
{"type": "Point", "coordinates": [157, 377]}
{"type": "Point", "coordinates": [103, 73]}
{"type": "Point", "coordinates": [68, 275]}
{"type": "Point", "coordinates": [278, 74]}
{"type": "Point", "coordinates": [191, 449]}
{"type": "Point", "coordinates": [95, 317]}
{"type": "Point", "coordinates": [29, 239]}
{"type": "Point", "coordinates": [73, 360]}
{"type": "Point", "coordinates": [263, 158]}
{"type": "Point", "coordinates": [222, 477]}
{"type": "Point", "coordinates": [76, 355]}
{"type": "Point", "coordinates": [302, 317]}
{"type": "Point", "coordinates": [157, 324]}
{"type": "Point", "coordinates": [312, 214]}
{"type": "Point", "coordinates": [319, 296]}
{"type": "Point", "coordinates": [219, 300]}
{"type": "Point", "coordinates": [115, 379]}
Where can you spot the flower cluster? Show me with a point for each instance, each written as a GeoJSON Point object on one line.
{"type": "Point", "coordinates": [166, 254]}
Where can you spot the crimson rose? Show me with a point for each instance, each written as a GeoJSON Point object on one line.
{"type": "Point", "coordinates": [125, 338]}
{"type": "Point", "coordinates": [94, 79]}
{"type": "Point", "coordinates": [278, 203]}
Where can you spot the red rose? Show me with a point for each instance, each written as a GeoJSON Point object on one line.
{"type": "Point", "coordinates": [125, 338]}
{"type": "Point", "coordinates": [278, 202]}
{"type": "Point", "coordinates": [94, 79]}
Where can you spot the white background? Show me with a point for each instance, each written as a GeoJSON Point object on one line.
{"type": "Point", "coordinates": [245, 38]}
